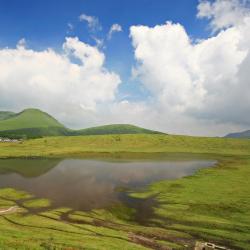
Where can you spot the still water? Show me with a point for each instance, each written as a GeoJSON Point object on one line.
{"type": "Point", "coordinates": [89, 184]}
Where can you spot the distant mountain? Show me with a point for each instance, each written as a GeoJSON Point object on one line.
{"type": "Point", "coordinates": [244, 134]}
{"type": "Point", "coordinates": [34, 123]}
{"type": "Point", "coordinates": [115, 129]}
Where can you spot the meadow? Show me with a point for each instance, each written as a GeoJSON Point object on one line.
{"type": "Point", "coordinates": [65, 146]}
{"type": "Point", "coordinates": [212, 205]}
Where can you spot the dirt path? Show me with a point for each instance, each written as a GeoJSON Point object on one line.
{"type": "Point", "coordinates": [9, 210]}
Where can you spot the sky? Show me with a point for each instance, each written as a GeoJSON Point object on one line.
{"type": "Point", "coordinates": [181, 67]}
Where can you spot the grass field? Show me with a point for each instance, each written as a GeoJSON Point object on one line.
{"type": "Point", "coordinates": [111, 144]}
{"type": "Point", "coordinates": [211, 205]}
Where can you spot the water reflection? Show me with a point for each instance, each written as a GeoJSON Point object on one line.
{"type": "Point", "coordinates": [88, 184]}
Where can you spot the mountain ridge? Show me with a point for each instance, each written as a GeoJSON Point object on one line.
{"type": "Point", "coordinates": [244, 134]}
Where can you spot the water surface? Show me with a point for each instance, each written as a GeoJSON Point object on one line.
{"type": "Point", "coordinates": [89, 184]}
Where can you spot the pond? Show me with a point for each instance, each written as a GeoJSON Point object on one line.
{"type": "Point", "coordinates": [83, 184]}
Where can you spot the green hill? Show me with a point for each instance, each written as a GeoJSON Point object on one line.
{"type": "Point", "coordinates": [115, 129]}
{"type": "Point", "coordinates": [29, 118]}
{"type": "Point", "coordinates": [244, 134]}
{"type": "Point", "coordinates": [34, 123]}
{"type": "Point", "coordinates": [31, 123]}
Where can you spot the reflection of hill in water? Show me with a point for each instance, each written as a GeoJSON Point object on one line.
{"type": "Point", "coordinates": [88, 184]}
{"type": "Point", "coordinates": [27, 168]}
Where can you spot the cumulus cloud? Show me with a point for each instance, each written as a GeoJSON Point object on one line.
{"type": "Point", "coordinates": [75, 79]}
{"type": "Point", "coordinates": [114, 28]}
{"type": "Point", "coordinates": [204, 82]}
{"type": "Point", "coordinates": [92, 21]}
{"type": "Point", "coordinates": [223, 13]}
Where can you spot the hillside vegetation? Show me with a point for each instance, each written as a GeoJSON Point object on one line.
{"type": "Point", "coordinates": [34, 123]}
{"type": "Point", "coordinates": [137, 143]}
{"type": "Point", "coordinates": [115, 129]}
{"type": "Point", "coordinates": [29, 118]}
{"type": "Point", "coordinates": [31, 123]}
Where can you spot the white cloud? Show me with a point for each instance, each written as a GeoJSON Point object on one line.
{"type": "Point", "coordinates": [114, 28]}
{"type": "Point", "coordinates": [148, 115]}
{"type": "Point", "coordinates": [202, 83]}
{"type": "Point", "coordinates": [74, 80]}
{"type": "Point", "coordinates": [92, 21]}
{"type": "Point", "coordinates": [21, 43]}
{"type": "Point", "coordinates": [223, 13]}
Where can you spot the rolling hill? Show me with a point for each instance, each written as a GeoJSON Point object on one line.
{"type": "Point", "coordinates": [115, 129]}
{"type": "Point", "coordinates": [244, 134]}
{"type": "Point", "coordinates": [31, 123]}
{"type": "Point", "coordinates": [34, 123]}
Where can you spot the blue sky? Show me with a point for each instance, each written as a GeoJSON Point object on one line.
{"type": "Point", "coordinates": [185, 76]}
{"type": "Point", "coordinates": [44, 23]}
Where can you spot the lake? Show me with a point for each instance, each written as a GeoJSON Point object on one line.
{"type": "Point", "coordinates": [90, 184]}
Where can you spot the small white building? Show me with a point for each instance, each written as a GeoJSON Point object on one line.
{"type": "Point", "coordinates": [8, 140]}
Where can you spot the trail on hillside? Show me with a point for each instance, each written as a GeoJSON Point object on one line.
{"type": "Point", "coordinates": [9, 210]}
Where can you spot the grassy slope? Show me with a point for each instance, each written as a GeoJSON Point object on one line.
{"type": "Point", "coordinates": [31, 123]}
{"type": "Point", "coordinates": [213, 204]}
{"type": "Point", "coordinates": [29, 118]}
{"type": "Point", "coordinates": [115, 129]}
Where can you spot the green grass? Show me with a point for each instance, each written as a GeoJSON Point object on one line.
{"type": "Point", "coordinates": [115, 129]}
{"type": "Point", "coordinates": [34, 132]}
{"type": "Point", "coordinates": [112, 144]}
{"type": "Point", "coordinates": [31, 123]}
{"type": "Point", "coordinates": [212, 205]}
{"type": "Point", "coordinates": [98, 229]}
{"type": "Point", "coordinates": [29, 118]}
{"type": "Point", "coordinates": [37, 203]}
